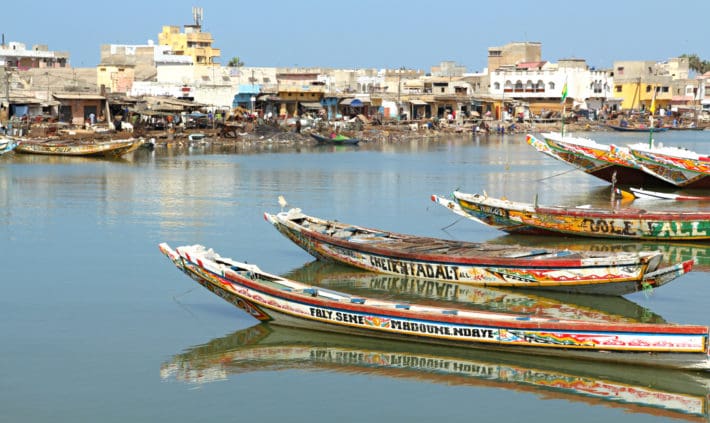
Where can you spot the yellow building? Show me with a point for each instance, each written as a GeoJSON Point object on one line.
{"type": "Point", "coordinates": [115, 78]}
{"type": "Point", "coordinates": [638, 95]}
{"type": "Point", "coordinates": [193, 42]}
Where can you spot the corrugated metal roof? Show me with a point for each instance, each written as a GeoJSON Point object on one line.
{"type": "Point", "coordinates": [78, 96]}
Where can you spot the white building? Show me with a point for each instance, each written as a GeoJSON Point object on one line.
{"type": "Point", "coordinates": [542, 82]}
{"type": "Point", "coordinates": [16, 55]}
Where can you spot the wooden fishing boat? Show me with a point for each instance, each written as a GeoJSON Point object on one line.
{"type": "Point", "coordinates": [474, 263]}
{"type": "Point", "coordinates": [285, 302]}
{"type": "Point", "coordinates": [677, 166]}
{"type": "Point", "coordinates": [7, 145]}
{"type": "Point", "coordinates": [637, 128]}
{"type": "Point", "coordinates": [655, 392]}
{"type": "Point", "coordinates": [336, 140]}
{"type": "Point", "coordinates": [655, 195]}
{"type": "Point", "coordinates": [625, 223]}
{"type": "Point", "coordinates": [113, 148]}
{"type": "Point", "coordinates": [607, 162]}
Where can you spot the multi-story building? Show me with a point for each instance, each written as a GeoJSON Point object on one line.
{"type": "Point", "coordinates": [16, 55]}
{"type": "Point", "coordinates": [193, 42]}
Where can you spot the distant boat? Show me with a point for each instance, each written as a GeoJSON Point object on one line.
{"type": "Point", "coordinates": [637, 128]}
{"type": "Point", "coordinates": [336, 140]}
{"type": "Point", "coordinates": [115, 148]}
{"type": "Point", "coordinates": [281, 301]}
{"type": "Point", "coordinates": [7, 145]}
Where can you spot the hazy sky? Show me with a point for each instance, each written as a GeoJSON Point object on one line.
{"type": "Point", "coordinates": [374, 34]}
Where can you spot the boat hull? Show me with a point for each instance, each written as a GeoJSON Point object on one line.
{"type": "Point", "coordinates": [599, 223]}
{"type": "Point", "coordinates": [335, 141]}
{"type": "Point", "coordinates": [99, 149]}
{"type": "Point", "coordinates": [609, 163]}
{"type": "Point", "coordinates": [474, 264]}
{"type": "Point", "coordinates": [292, 304]}
{"type": "Point", "coordinates": [682, 172]}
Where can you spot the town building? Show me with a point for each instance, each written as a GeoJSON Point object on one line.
{"type": "Point", "coordinates": [193, 42]}
{"type": "Point", "coordinates": [16, 56]}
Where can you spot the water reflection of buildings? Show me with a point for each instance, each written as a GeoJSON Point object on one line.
{"type": "Point", "coordinates": [264, 348]}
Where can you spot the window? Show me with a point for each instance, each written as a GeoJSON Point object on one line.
{"type": "Point", "coordinates": [664, 89]}
{"type": "Point", "coordinates": [617, 88]}
{"type": "Point", "coordinates": [648, 88]}
{"type": "Point", "coordinates": [496, 86]}
{"type": "Point", "coordinates": [551, 85]}
{"type": "Point", "coordinates": [620, 70]}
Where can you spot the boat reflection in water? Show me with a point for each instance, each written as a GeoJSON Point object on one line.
{"type": "Point", "coordinates": [439, 293]}
{"type": "Point", "coordinates": [673, 252]}
{"type": "Point", "coordinates": [263, 347]}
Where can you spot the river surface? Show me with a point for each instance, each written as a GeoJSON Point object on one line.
{"type": "Point", "coordinates": [96, 325]}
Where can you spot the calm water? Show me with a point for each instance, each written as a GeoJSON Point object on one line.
{"type": "Point", "coordinates": [96, 325]}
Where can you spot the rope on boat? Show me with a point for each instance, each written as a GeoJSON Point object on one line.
{"type": "Point", "coordinates": [557, 174]}
{"type": "Point", "coordinates": [451, 224]}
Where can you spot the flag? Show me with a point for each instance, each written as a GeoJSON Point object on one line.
{"type": "Point", "coordinates": [564, 93]}
{"type": "Point", "coordinates": [653, 102]}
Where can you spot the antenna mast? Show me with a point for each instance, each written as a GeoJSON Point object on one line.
{"type": "Point", "coordinates": [197, 14]}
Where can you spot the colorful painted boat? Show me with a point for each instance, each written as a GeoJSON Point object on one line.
{"type": "Point", "coordinates": [677, 166]}
{"type": "Point", "coordinates": [607, 162]}
{"type": "Point", "coordinates": [115, 148]}
{"type": "Point", "coordinates": [285, 302]}
{"type": "Point", "coordinates": [266, 348]}
{"type": "Point", "coordinates": [474, 263]}
{"type": "Point", "coordinates": [337, 140]}
{"type": "Point", "coordinates": [7, 145]}
{"type": "Point", "coordinates": [624, 223]}
{"type": "Point", "coordinates": [655, 195]}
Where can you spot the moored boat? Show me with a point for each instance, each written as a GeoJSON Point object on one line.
{"type": "Point", "coordinates": [335, 140]}
{"type": "Point", "coordinates": [607, 162]}
{"type": "Point", "coordinates": [678, 166]}
{"type": "Point", "coordinates": [7, 145]}
{"type": "Point", "coordinates": [285, 302]}
{"type": "Point", "coordinates": [114, 148]}
{"type": "Point", "coordinates": [474, 263]}
{"type": "Point", "coordinates": [628, 128]}
{"type": "Point", "coordinates": [624, 223]}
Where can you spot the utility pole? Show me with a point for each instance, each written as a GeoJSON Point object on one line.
{"type": "Point", "coordinates": [7, 86]}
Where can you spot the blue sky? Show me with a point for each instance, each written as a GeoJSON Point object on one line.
{"type": "Point", "coordinates": [375, 34]}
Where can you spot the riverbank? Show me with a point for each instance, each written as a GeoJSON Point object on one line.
{"type": "Point", "coordinates": [388, 133]}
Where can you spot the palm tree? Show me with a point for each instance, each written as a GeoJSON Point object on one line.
{"type": "Point", "coordinates": [235, 62]}
{"type": "Point", "coordinates": [697, 65]}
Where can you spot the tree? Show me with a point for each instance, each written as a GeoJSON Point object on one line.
{"type": "Point", "coordinates": [235, 62]}
{"type": "Point", "coordinates": [696, 64]}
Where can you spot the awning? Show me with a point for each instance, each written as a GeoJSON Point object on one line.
{"type": "Point", "coordinates": [418, 102]}
{"type": "Point", "coordinates": [268, 97]}
{"type": "Point", "coordinates": [353, 102]}
{"type": "Point", "coordinates": [311, 105]}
